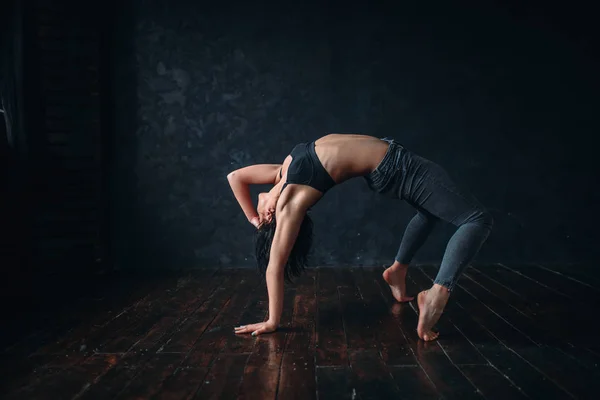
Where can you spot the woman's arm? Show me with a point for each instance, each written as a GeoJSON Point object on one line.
{"type": "Point", "coordinates": [241, 179]}
{"type": "Point", "coordinates": [289, 220]}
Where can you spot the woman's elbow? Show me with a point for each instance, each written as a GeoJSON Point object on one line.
{"type": "Point", "coordinates": [231, 176]}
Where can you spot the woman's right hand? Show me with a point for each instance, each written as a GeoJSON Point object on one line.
{"type": "Point", "coordinates": [255, 221]}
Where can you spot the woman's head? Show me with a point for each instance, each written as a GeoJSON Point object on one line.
{"type": "Point", "coordinates": [297, 260]}
{"type": "Point", "coordinates": [265, 207]}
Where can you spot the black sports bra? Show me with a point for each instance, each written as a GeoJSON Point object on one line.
{"type": "Point", "coordinates": [306, 169]}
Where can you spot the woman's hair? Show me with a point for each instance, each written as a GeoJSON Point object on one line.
{"type": "Point", "coordinates": [297, 260]}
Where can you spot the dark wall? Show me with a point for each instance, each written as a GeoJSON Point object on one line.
{"type": "Point", "coordinates": [66, 141]}
{"type": "Point", "coordinates": [52, 207]}
{"type": "Point", "coordinates": [52, 210]}
{"type": "Point", "coordinates": [504, 99]}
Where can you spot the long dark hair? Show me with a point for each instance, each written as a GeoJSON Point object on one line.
{"type": "Point", "coordinates": [297, 260]}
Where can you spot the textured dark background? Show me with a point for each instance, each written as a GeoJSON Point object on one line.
{"type": "Point", "coordinates": [504, 97]}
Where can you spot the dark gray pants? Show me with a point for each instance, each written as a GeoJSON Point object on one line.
{"type": "Point", "coordinates": [430, 190]}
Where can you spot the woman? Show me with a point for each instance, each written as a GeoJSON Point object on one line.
{"type": "Point", "coordinates": [311, 169]}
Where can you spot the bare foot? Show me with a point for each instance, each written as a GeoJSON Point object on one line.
{"type": "Point", "coordinates": [431, 305]}
{"type": "Point", "coordinates": [395, 276]}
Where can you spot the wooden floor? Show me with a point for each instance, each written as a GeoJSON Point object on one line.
{"type": "Point", "coordinates": [509, 333]}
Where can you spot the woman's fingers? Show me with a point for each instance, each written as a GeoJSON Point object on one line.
{"type": "Point", "coordinates": [255, 329]}
{"type": "Point", "coordinates": [258, 331]}
{"type": "Point", "coordinates": [246, 328]}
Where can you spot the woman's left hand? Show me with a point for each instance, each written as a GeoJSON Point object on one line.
{"type": "Point", "coordinates": [257, 329]}
{"type": "Point", "coordinates": [271, 204]}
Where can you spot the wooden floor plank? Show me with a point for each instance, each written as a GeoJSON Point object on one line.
{"type": "Point", "coordinates": [370, 378]}
{"type": "Point", "coordinates": [572, 288]}
{"type": "Point", "coordinates": [209, 302]}
{"type": "Point", "coordinates": [297, 376]}
{"type": "Point", "coordinates": [508, 362]}
{"type": "Point", "coordinates": [389, 338]}
{"type": "Point", "coordinates": [587, 273]}
{"type": "Point", "coordinates": [204, 292]}
{"type": "Point", "coordinates": [551, 317]}
{"type": "Point", "coordinates": [520, 321]}
{"type": "Point", "coordinates": [297, 379]}
{"type": "Point", "coordinates": [555, 313]}
{"type": "Point", "coordinates": [335, 383]}
{"type": "Point", "coordinates": [511, 294]}
{"type": "Point", "coordinates": [331, 339]}
{"type": "Point", "coordinates": [491, 383]}
{"type": "Point", "coordinates": [111, 383]}
{"type": "Point", "coordinates": [302, 335]}
{"type": "Point", "coordinates": [413, 383]}
{"type": "Point", "coordinates": [576, 379]}
{"type": "Point", "coordinates": [261, 373]}
{"type": "Point", "coordinates": [357, 319]}
{"type": "Point", "coordinates": [182, 384]}
{"type": "Point", "coordinates": [119, 334]}
{"type": "Point", "coordinates": [224, 378]}
{"type": "Point", "coordinates": [65, 383]}
{"type": "Point", "coordinates": [148, 381]}
{"type": "Point", "coordinates": [343, 278]}
{"type": "Point", "coordinates": [552, 302]}
{"type": "Point", "coordinates": [526, 294]}
{"type": "Point", "coordinates": [543, 297]}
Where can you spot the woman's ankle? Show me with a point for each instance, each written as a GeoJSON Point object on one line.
{"type": "Point", "coordinates": [397, 266]}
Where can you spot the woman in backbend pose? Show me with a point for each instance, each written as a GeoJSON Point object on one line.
{"type": "Point", "coordinates": [284, 228]}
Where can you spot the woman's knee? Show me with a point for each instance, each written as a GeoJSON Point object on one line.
{"type": "Point", "coordinates": [481, 218]}
{"type": "Point", "coordinates": [486, 219]}
{"type": "Point", "coordinates": [426, 216]}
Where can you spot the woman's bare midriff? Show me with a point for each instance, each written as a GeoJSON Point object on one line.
{"type": "Point", "coordinates": [346, 156]}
